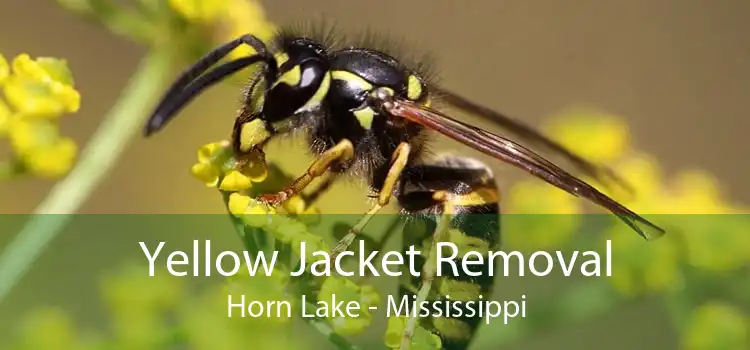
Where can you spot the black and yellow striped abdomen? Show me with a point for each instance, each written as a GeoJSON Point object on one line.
{"type": "Point", "coordinates": [464, 189]}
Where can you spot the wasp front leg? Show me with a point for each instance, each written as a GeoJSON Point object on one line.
{"type": "Point", "coordinates": [453, 200]}
{"type": "Point", "coordinates": [398, 163]}
{"type": "Point", "coordinates": [342, 152]}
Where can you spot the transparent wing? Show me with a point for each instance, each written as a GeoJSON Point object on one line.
{"type": "Point", "coordinates": [513, 153]}
{"type": "Point", "coordinates": [528, 134]}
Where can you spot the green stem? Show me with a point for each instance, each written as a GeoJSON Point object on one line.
{"type": "Point", "coordinates": [106, 145]}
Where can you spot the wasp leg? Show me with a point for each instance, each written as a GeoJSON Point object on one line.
{"type": "Point", "coordinates": [398, 163]}
{"type": "Point", "coordinates": [314, 195]}
{"type": "Point", "coordinates": [453, 200]}
{"type": "Point", "coordinates": [341, 152]}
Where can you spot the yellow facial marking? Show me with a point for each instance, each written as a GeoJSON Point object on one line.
{"type": "Point", "coordinates": [351, 78]}
{"type": "Point", "coordinates": [281, 58]}
{"type": "Point", "coordinates": [413, 88]}
{"type": "Point", "coordinates": [291, 77]}
{"type": "Point", "coordinates": [320, 94]}
{"type": "Point", "coordinates": [252, 134]}
{"type": "Point", "coordinates": [365, 117]}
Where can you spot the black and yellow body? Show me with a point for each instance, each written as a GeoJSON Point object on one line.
{"type": "Point", "coordinates": [464, 190]}
{"type": "Point", "coordinates": [367, 114]}
{"type": "Point", "coordinates": [325, 95]}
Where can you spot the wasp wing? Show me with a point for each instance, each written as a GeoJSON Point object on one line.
{"type": "Point", "coordinates": [519, 156]}
{"type": "Point", "coordinates": [529, 134]}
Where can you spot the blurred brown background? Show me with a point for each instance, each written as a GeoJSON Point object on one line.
{"type": "Point", "coordinates": [677, 70]}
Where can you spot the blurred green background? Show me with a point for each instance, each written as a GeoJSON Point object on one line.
{"type": "Point", "coordinates": [676, 71]}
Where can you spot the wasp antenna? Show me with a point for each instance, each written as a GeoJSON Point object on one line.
{"type": "Point", "coordinates": [169, 108]}
{"type": "Point", "coordinates": [190, 82]}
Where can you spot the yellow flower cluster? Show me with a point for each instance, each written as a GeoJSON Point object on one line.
{"type": "Point", "coordinates": [705, 231]}
{"type": "Point", "coordinates": [36, 93]}
{"type": "Point", "coordinates": [137, 304]}
{"type": "Point", "coordinates": [713, 242]}
{"type": "Point", "coordinates": [217, 167]}
{"type": "Point", "coordinates": [347, 291]}
{"type": "Point", "coordinates": [715, 325]}
{"type": "Point", "coordinates": [160, 312]}
{"type": "Point", "coordinates": [58, 328]}
{"type": "Point", "coordinates": [232, 18]}
{"type": "Point", "coordinates": [421, 340]}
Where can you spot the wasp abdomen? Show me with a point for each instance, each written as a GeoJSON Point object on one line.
{"type": "Point", "coordinates": [464, 188]}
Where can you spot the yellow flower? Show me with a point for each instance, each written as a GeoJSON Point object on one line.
{"type": "Point", "coordinates": [208, 168]}
{"type": "Point", "coordinates": [41, 88]}
{"type": "Point", "coordinates": [644, 175]}
{"type": "Point", "coordinates": [537, 197]}
{"type": "Point", "coordinates": [56, 327]}
{"type": "Point", "coordinates": [294, 205]}
{"type": "Point", "coordinates": [201, 11]}
{"type": "Point", "coordinates": [347, 291]}
{"type": "Point", "coordinates": [38, 144]}
{"type": "Point", "coordinates": [596, 136]}
{"type": "Point", "coordinates": [205, 172]}
{"type": "Point", "coordinates": [541, 216]}
{"type": "Point", "coordinates": [715, 235]}
{"type": "Point", "coordinates": [4, 69]}
{"type": "Point", "coordinates": [696, 192]}
{"type": "Point", "coordinates": [45, 69]}
{"type": "Point", "coordinates": [37, 92]}
{"type": "Point", "coordinates": [235, 181]}
{"type": "Point", "coordinates": [244, 17]}
{"type": "Point", "coordinates": [238, 203]}
{"type": "Point", "coordinates": [717, 242]}
{"type": "Point", "coordinates": [421, 340]}
{"type": "Point", "coordinates": [54, 161]}
{"type": "Point", "coordinates": [6, 116]}
{"type": "Point", "coordinates": [716, 325]}
{"type": "Point", "coordinates": [209, 151]}
{"type": "Point", "coordinates": [250, 211]}
{"type": "Point", "coordinates": [640, 267]}
{"type": "Point", "coordinates": [233, 18]}
{"type": "Point", "coordinates": [693, 208]}
{"type": "Point", "coordinates": [216, 161]}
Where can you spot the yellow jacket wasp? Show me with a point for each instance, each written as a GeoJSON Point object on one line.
{"type": "Point", "coordinates": [366, 113]}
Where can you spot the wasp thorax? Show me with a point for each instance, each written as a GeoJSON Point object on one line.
{"type": "Point", "coordinates": [302, 82]}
